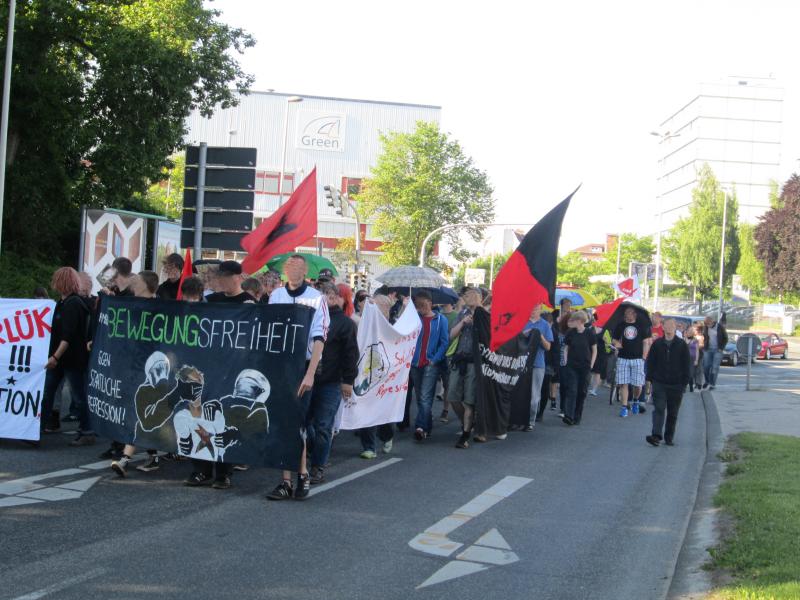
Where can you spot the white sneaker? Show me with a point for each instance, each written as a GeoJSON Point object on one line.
{"type": "Point", "coordinates": [387, 446]}
{"type": "Point", "coordinates": [120, 467]}
{"type": "Point", "coordinates": [502, 437]}
{"type": "Point", "coordinates": [593, 392]}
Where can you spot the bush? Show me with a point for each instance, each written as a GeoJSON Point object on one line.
{"type": "Point", "coordinates": [19, 275]}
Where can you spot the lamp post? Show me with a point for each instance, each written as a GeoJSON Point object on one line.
{"type": "Point", "coordinates": [722, 249]}
{"type": "Point", "coordinates": [12, 9]}
{"type": "Point", "coordinates": [462, 225]}
{"type": "Point", "coordinates": [289, 100]}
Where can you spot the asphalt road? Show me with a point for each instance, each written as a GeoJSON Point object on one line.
{"type": "Point", "coordinates": [603, 516]}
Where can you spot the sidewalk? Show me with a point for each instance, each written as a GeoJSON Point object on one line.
{"type": "Point", "coordinates": [727, 412]}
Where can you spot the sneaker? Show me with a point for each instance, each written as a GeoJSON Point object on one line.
{"type": "Point", "coordinates": [303, 487]}
{"type": "Point", "coordinates": [387, 446]}
{"type": "Point", "coordinates": [419, 434]}
{"type": "Point", "coordinates": [711, 387]}
{"type": "Point", "coordinates": [463, 441]}
{"type": "Point", "coordinates": [642, 409]}
{"type": "Point", "coordinates": [502, 436]}
{"type": "Point", "coordinates": [368, 454]}
{"type": "Point", "coordinates": [197, 479]}
{"type": "Point", "coordinates": [652, 440]}
{"type": "Point", "coordinates": [83, 440]}
{"type": "Point", "coordinates": [481, 439]}
{"type": "Point", "coordinates": [635, 408]}
{"type": "Point", "coordinates": [669, 442]}
{"type": "Point", "coordinates": [567, 421]}
{"type": "Point", "coordinates": [151, 465]}
{"type": "Point", "coordinates": [560, 415]}
{"type": "Point", "coordinates": [222, 483]}
{"type": "Point", "coordinates": [443, 417]}
{"type": "Point", "coordinates": [282, 491]}
{"type": "Point", "coordinates": [528, 427]}
{"type": "Point", "coordinates": [317, 475]}
{"type": "Point", "coordinates": [120, 467]}
{"type": "Point", "coordinates": [623, 411]}
{"type": "Point", "coordinates": [593, 392]}
{"type": "Point", "coordinates": [241, 467]}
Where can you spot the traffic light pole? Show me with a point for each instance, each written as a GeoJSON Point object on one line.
{"type": "Point", "coordinates": [201, 192]}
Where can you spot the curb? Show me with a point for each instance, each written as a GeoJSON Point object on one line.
{"type": "Point", "coordinates": [690, 581]}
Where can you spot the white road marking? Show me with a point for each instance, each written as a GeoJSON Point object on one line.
{"type": "Point", "coordinates": [347, 478]}
{"type": "Point", "coordinates": [62, 585]}
{"type": "Point", "coordinates": [490, 549]}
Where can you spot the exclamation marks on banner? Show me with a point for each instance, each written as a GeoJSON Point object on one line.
{"type": "Point", "coordinates": [20, 360]}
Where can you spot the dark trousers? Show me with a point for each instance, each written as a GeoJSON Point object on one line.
{"type": "Point", "coordinates": [407, 411]}
{"type": "Point", "coordinates": [206, 467]}
{"type": "Point", "coordinates": [368, 435]}
{"type": "Point", "coordinates": [574, 381]}
{"type": "Point", "coordinates": [325, 400]}
{"type": "Point", "coordinates": [667, 398]}
{"type": "Point", "coordinates": [545, 395]}
{"type": "Point", "coordinates": [77, 383]}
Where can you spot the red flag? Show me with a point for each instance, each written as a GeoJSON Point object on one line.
{"type": "Point", "coordinates": [187, 271]}
{"type": "Point", "coordinates": [604, 311]}
{"type": "Point", "coordinates": [528, 278]}
{"type": "Point", "coordinates": [288, 227]}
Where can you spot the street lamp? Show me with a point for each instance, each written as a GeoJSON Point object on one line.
{"type": "Point", "coordinates": [289, 100]}
{"type": "Point", "coordinates": [722, 249]}
{"type": "Point", "coordinates": [12, 9]}
{"type": "Point", "coordinates": [662, 138]}
{"type": "Point", "coordinates": [462, 225]}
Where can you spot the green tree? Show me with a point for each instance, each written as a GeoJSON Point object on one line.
{"type": "Point", "coordinates": [165, 197]}
{"type": "Point", "coordinates": [777, 238]}
{"type": "Point", "coordinates": [692, 248]}
{"type": "Point", "coordinates": [100, 94]}
{"type": "Point", "coordinates": [634, 248]}
{"type": "Point", "coordinates": [750, 267]}
{"type": "Point", "coordinates": [423, 180]}
{"type": "Point", "coordinates": [575, 270]}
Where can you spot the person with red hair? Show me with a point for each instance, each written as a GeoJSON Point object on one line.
{"type": "Point", "coordinates": [346, 294]}
{"type": "Point", "coordinates": [69, 356]}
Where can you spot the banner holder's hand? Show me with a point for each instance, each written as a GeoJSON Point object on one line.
{"type": "Point", "coordinates": [306, 384]}
{"type": "Point", "coordinates": [347, 391]}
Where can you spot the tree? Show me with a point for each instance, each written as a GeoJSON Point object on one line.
{"type": "Point", "coordinates": [634, 249]}
{"type": "Point", "coordinates": [777, 238]}
{"type": "Point", "coordinates": [575, 270]}
{"type": "Point", "coordinates": [750, 267]}
{"type": "Point", "coordinates": [165, 197]}
{"type": "Point", "coordinates": [100, 94]}
{"type": "Point", "coordinates": [692, 248]}
{"type": "Point", "coordinates": [483, 262]}
{"type": "Point", "coordinates": [423, 180]}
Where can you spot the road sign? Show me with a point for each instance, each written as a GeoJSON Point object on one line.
{"type": "Point", "coordinates": [748, 345]}
{"type": "Point", "coordinates": [214, 240]}
{"type": "Point", "coordinates": [220, 219]}
{"type": "Point", "coordinates": [224, 156]}
{"type": "Point", "coordinates": [230, 200]}
{"type": "Point", "coordinates": [475, 276]}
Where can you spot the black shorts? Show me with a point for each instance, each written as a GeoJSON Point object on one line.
{"type": "Point", "coordinates": [600, 363]}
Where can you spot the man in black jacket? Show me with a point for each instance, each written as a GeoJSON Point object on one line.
{"type": "Point", "coordinates": [715, 338]}
{"type": "Point", "coordinates": [668, 368]}
{"type": "Point", "coordinates": [333, 381]}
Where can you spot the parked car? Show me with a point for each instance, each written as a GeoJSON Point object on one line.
{"type": "Point", "coordinates": [730, 355]}
{"type": "Point", "coordinates": [772, 345]}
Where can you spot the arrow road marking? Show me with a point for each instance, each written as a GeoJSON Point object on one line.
{"type": "Point", "coordinates": [490, 549]}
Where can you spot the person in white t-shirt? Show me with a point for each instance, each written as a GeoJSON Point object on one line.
{"type": "Point", "coordinates": [297, 291]}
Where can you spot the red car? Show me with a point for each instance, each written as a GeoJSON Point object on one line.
{"type": "Point", "coordinates": [772, 345]}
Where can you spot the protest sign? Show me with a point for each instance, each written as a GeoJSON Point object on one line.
{"type": "Point", "coordinates": [379, 391]}
{"type": "Point", "coordinates": [24, 347]}
{"type": "Point", "coordinates": [216, 382]}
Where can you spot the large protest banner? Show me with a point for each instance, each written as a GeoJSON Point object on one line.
{"type": "Point", "coordinates": [24, 347]}
{"type": "Point", "coordinates": [501, 376]}
{"type": "Point", "coordinates": [216, 382]}
{"type": "Point", "coordinates": [379, 391]}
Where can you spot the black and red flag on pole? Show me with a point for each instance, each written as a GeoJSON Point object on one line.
{"type": "Point", "coordinates": [528, 278]}
{"type": "Point", "coordinates": [288, 227]}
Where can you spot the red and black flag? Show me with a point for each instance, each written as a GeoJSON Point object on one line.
{"type": "Point", "coordinates": [288, 227]}
{"type": "Point", "coordinates": [185, 273]}
{"type": "Point", "coordinates": [528, 278]}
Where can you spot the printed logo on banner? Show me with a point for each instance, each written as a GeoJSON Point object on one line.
{"type": "Point", "coordinates": [24, 347]}
{"type": "Point", "coordinates": [155, 378]}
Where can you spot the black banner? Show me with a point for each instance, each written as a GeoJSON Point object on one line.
{"type": "Point", "coordinates": [216, 382]}
{"type": "Point", "coordinates": [503, 376]}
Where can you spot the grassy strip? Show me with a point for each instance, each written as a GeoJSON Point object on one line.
{"type": "Point", "coordinates": [762, 494]}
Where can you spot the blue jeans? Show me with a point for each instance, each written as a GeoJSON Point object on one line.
{"type": "Point", "coordinates": [711, 362]}
{"type": "Point", "coordinates": [424, 381]}
{"type": "Point", "coordinates": [325, 400]}
{"type": "Point", "coordinates": [77, 384]}
{"type": "Point", "coordinates": [370, 435]}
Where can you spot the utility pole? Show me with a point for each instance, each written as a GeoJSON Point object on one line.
{"type": "Point", "coordinates": [12, 10]}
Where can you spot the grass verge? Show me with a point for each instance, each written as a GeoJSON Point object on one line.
{"type": "Point", "coordinates": [762, 494]}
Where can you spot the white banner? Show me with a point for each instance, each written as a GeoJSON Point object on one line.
{"type": "Point", "coordinates": [379, 392]}
{"type": "Point", "coordinates": [24, 346]}
{"type": "Point", "coordinates": [629, 288]}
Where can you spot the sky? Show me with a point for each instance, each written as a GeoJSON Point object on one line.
{"type": "Point", "coordinates": [543, 96]}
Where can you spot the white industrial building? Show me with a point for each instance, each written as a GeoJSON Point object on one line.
{"type": "Point", "coordinates": [734, 126]}
{"type": "Point", "coordinates": [340, 136]}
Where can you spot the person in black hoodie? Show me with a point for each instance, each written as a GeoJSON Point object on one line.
{"type": "Point", "coordinates": [69, 356]}
{"type": "Point", "coordinates": [669, 369]}
{"type": "Point", "coordinates": [333, 381]}
{"type": "Point", "coordinates": [173, 268]}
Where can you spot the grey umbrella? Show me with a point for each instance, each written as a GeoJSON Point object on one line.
{"type": "Point", "coordinates": [411, 277]}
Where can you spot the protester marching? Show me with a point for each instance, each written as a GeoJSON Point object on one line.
{"type": "Point", "coordinates": [231, 371]}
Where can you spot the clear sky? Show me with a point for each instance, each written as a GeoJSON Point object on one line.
{"type": "Point", "coordinates": [543, 96]}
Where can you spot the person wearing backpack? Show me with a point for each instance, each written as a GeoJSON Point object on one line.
{"type": "Point", "coordinates": [69, 356]}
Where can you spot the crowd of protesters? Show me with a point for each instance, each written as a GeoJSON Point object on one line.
{"type": "Point", "coordinates": [573, 358]}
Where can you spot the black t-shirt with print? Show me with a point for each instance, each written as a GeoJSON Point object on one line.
{"type": "Point", "coordinates": [237, 299]}
{"type": "Point", "coordinates": [579, 355]}
{"type": "Point", "coordinates": [632, 336]}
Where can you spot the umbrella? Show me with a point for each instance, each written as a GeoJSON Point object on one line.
{"type": "Point", "coordinates": [440, 295]}
{"type": "Point", "coordinates": [411, 277]}
{"type": "Point", "coordinates": [580, 298]}
{"type": "Point", "coordinates": [315, 263]}
{"type": "Point", "coordinates": [618, 316]}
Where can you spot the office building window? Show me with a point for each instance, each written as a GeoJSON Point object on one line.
{"type": "Point", "coordinates": [267, 183]}
{"type": "Point", "coordinates": [351, 185]}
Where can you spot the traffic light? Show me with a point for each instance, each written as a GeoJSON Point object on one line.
{"type": "Point", "coordinates": [334, 198]}
{"type": "Point", "coordinates": [358, 281]}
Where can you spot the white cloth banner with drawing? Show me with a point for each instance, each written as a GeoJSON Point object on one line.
{"type": "Point", "coordinates": [385, 354]}
{"type": "Point", "coordinates": [24, 346]}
